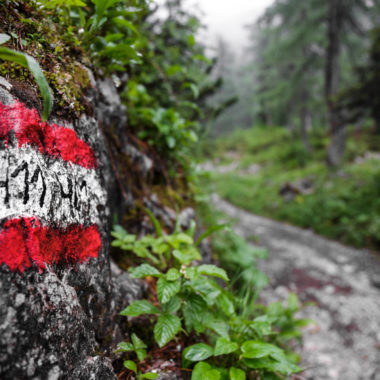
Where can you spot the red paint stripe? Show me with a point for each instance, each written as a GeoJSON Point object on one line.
{"type": "Point", "coordinates": [53, 140]}
{"type": "Point", "coordinates": [24, 240]}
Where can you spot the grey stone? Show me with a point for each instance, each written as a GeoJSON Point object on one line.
{"type": "Point", "coordinates": [61, 321]}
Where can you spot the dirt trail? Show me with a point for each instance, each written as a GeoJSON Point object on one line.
{"type": "Point", "coordinates": [344, 283]}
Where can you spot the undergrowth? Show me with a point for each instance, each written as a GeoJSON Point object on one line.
{"type": "Point", "coordinates": [225, 333]}
{"type": "Point", "coordinates": [342, 205]}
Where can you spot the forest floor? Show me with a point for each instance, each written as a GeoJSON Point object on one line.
{"type": "Point", "coordinates": [344, 284]}
{"type": "Point", "coordinates": [267, 171]}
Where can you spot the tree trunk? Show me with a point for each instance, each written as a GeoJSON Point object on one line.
{"type": "Point", "coordinates": [332, 74]}
{"type": "Point", "coordinates": [304, 121]}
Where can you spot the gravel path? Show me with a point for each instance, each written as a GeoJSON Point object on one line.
{"type": "Point", "coordinates": [343, 282]}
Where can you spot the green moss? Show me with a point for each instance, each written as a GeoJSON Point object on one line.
{"type": "Point", "coordinates": [43, 34]}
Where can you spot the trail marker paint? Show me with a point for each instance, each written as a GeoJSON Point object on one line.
{"type": "Point", "coordinates": [50, 192]}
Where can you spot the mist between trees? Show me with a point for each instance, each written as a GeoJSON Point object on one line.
{"type": "Point", "coordinates": [310, 65]}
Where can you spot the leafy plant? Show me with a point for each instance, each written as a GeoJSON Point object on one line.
{"type": "Point", "coordinates": [138, 347]}
{"type": "Point", "coordinates": [30, 63]}
{"type": "Point", "coordinates": [193, 299]}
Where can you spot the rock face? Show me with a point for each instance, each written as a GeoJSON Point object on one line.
{"type": "Point", "coordinates": [57, 296]}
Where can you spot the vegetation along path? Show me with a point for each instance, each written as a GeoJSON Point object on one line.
{"type": "Point", "coordinates": [343, 283]}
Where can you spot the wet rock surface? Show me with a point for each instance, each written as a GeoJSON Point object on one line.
{"type": "Point", "coordinates": [58, 313]}
{"type": "Point", "coordinates": [345, 339]}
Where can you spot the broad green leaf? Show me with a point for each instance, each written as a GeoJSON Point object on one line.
{"type": "Point", "coordinates": [226, 305]}
{"type": "Point", "coordinates": [144, 270]}
{"type": "Point", "coordinates": [275, 309]}
{"type": "Point", "coordinates": [130, 365]}
{"type": "Point", "coordinates": [182, 257]}
{"type": "Point", "coordinates": [30, 63]}
{"type": "Point", "coordinates": [252, 349]}
{"type": "Point", "coordinates": [206, 288]}
{"type": "Point", "coordinates": [199, 370]}
{"type": "Point", "coordinates": [172, 274]}
{"type": "Point", "coordinates": [166, 328]}
{"type": "Point", "coordinates": [150, 375]}
{"type": "Point", "coordinates": [193, 312]}
{"type": "Point", "coordinates": [141, 354]}
{"type": "Point", "coordinates": [213, 270]}
{"type": "Point", "coordinates": [203, 371]}
{"type": "Point", "coordinates": [187, 254]}
{"type": "Point", "coordinates": [223, 347]}
{"type": "Point", "coordinates": [4, 38]}
{"type": "Point", "coordinates": [283, 366]}
{"type": "Point", "coordinates": [167, 289]}
{"type": "Point", "coordinates": [124, 347]}
{"type": "Point", "coordinates": [140, 307]}
{"type": "Point", "coordinates": [237, 374]}
{"type": "Point", "coordinates": [137, 342]}
{"type": "Point", "coordinates": [213, 374]}
{"type": "Point", "coordinates": [217, 325]}
{"type": "Point", "coordinates": [198, 352]}
{"type": "Point", "coordinates": [173, 305]}
{"type": "Point", "coordinates": [176, 240]}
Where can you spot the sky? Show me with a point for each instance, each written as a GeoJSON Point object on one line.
{"type": "Point", "coordinates": [228, 17]}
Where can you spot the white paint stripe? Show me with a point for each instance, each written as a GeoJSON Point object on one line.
{"type": "Point", "coordinates": [54, 191]}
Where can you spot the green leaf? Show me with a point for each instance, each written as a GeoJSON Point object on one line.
{"type": "Point", "coordinates": [210, 231]}
{"type": "Point", "coordinates": [237, 374]}
{"type": "Point", "coordinates": [141, 354]}
{"type": "Point", "coordinates": [283, 366]}
{"type": "Point", "coordinates": [186, 255]}
{"type": "Point", "coordinates": [150, 375]}
{"type": "Point", "coordinates": [30, 63]}
{"type": "Point", "coordinates": [172, 274]}
{"type": "Point", "coordinates": [124, 347]}
{"type": "Point", "coordinates": [155, 222]}
{"type": "Point", "coordinates": [293, 302]}
{"type": "Point", "coordinates": [123, 22]}
{"type": "Point", "coordinates": [213, 374]}
{"type": "Point", "coordinates": [198, 352]}
{"type": "Point", "coordinates": [199, 370]}
{"type": "Point", "coordinates": [193, 312]}
{"type": "Point", "coordinates": [176, 240]}
{"type": "Point", "coordinates": [217, 325]}
{"type": "Point", "coordinates": [224, 347]}
{"type": "Point", "coordinates": [144, 270]}
{"type": "Point", "coordinates": [206, 288]}
{"type": "Point", "coordinates": [226, 305]}
{"type": "Point", "coordinates": [140, 307]}
{"type": "Point", "coordinates": [166, 328]}
{"type": "Point", "coordinates": [252, 349]}
{"type": "Point", "coordinates": [203, 371]}
{"type": "Point", "coordinates": [173, 305]}
{"type": "Point", "coordinates": [4, 38]}
{"type": "Point", "coordinates": [137, 342]}
{"type": "Point", "coordinates": [130, 365]}
{"type": "Point", "coordinates": [213, 270]}
{"type": "Point", "coordinates": [167, 289]}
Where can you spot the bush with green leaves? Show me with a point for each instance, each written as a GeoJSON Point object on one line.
{"type": "Point", "coordinates": [193, 299]}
